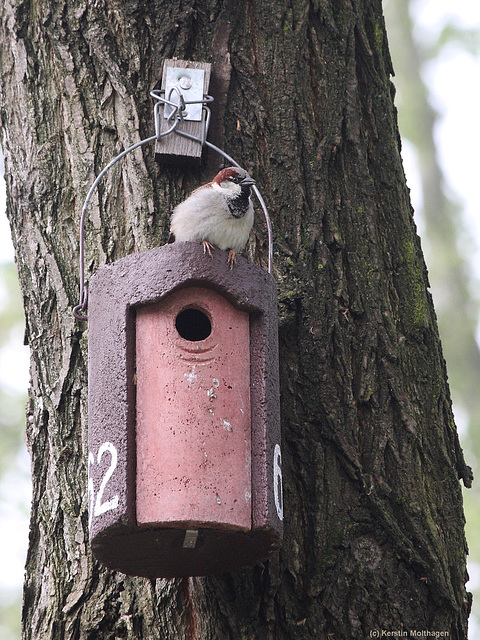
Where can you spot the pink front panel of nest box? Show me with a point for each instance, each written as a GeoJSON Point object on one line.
{"type": "Point", "coordinates": [193, 427]}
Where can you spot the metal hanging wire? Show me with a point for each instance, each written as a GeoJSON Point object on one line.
{"type": "Point", "coordinates": [173, 120]}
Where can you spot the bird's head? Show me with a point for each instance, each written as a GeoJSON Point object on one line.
{"type": "Point", "coordinates": [233, 182]}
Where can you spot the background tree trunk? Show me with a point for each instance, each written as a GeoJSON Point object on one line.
{"type": "Point", "coordinates": [374, 523]}
{"type": "Point", "coordinates": [447, 257]}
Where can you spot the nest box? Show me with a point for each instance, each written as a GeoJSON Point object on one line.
{"type": "Point", "coordinates": [184, 431]}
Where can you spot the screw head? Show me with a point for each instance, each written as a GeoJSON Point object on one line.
{"type": "Point", "coordinates": [185, 82]}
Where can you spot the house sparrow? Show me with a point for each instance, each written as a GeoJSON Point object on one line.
{"type": "Point", "coordinates": [218, 214]}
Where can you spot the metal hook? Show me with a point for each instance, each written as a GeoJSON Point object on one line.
{"type": "Point", "coordinates": [79, 311]}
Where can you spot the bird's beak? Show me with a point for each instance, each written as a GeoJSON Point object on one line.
{"type": "Point", "coordinates": [248, 181]}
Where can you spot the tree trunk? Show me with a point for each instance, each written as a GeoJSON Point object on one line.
{"type": "Point", "coordinates": [444, 225]}
{"type": "Point", "coordinates": [371, 460]}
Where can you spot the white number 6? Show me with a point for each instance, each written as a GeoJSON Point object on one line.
{"type": "Point", "coordinates": [277, 480]}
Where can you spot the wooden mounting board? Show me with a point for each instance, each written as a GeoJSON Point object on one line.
{"type": "Point", "coordinates": [174, 147]}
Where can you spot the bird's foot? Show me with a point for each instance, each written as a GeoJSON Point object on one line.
{"type": "Point", "coordinates": [231, 258]}
{"type": "Point", "coordinates": [207, 248]}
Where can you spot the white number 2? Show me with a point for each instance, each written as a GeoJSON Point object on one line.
{"type": "Point", "coordinates": [97, 507]}
{"type": "Point", "coordinates": [277, 480]}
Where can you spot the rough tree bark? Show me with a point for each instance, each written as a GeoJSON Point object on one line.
{"type": "Point", "coordinates": [444, 225]}
{"type": "Point", "coordinates": [374, 523]}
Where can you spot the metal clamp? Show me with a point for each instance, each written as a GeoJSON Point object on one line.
{"type": "Point", "coordinates": [188, 85]}
{"type": "Point", "coordinates": [177, 113]}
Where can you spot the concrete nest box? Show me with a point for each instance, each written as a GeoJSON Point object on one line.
{"type": "Point", "coordinates": [184, 429]}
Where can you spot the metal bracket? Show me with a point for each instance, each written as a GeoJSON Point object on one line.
{"type": "Point", "coordinates": [190, 540]}
{"type": "Point", "coordinates": [172, 140]}
{"type": "Point", "coordinates": [184, 87]}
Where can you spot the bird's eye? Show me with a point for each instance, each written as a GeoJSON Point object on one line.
{"type": "Point", "coordinates": [236, 179]}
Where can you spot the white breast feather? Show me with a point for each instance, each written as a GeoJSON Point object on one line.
{"type": "Point", "coordinates": [205, 216]}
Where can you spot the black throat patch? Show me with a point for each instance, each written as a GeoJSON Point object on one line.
{"type": "Point", "coordinates": [238, 205]}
